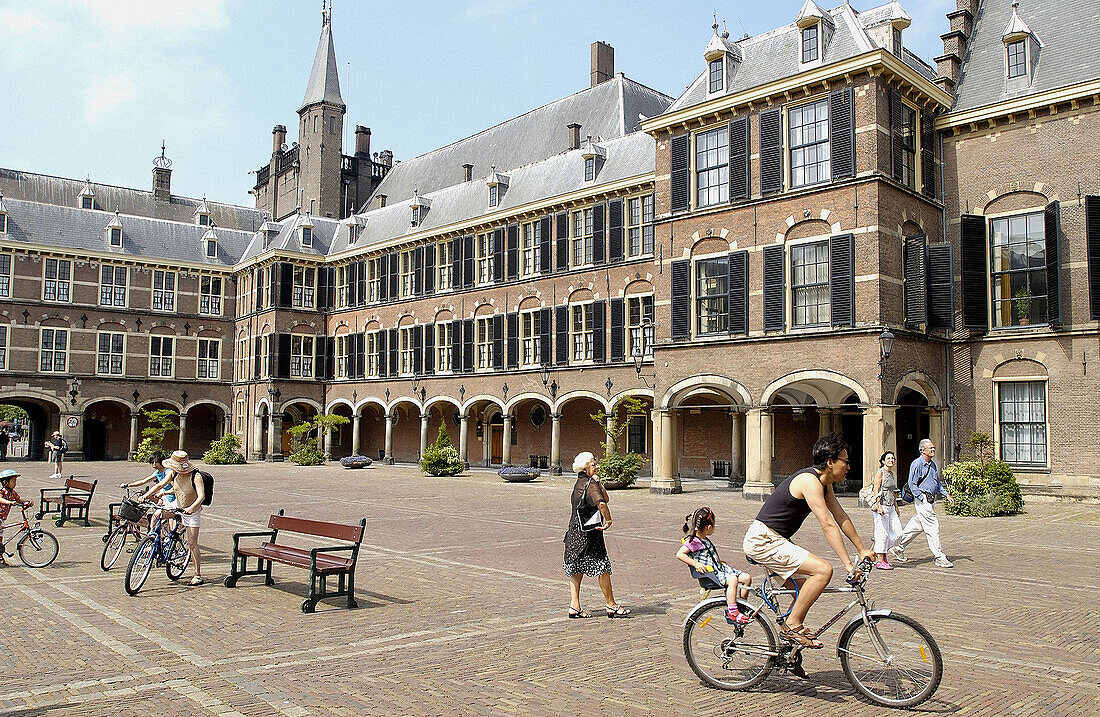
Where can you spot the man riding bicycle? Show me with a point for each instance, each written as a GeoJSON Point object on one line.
{"type": "Point", "coordinates": [768, 543]}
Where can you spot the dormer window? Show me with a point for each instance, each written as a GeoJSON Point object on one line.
{"type": "Point", "coordinates": [1022, 48]}
{"type": "Point", "coordinates": [810, 44]}
{"type": "Point", "coordinates": [85, 202]}
{"type": "Point", "coordinates": [116, 236]}
{"type": "Point", "coordinates": [419, 208]}
{"type": "Point", "coordinates": [355, 228]}
{"type": "Point", "coordinates": [1017, 58]}
{"type": "Point", "coordinates": [815, 28]}
{"type": "Point", "coordinates": [114, 232]}
{"type": "Point", "coordinates": [203, 220]}
{"type": "Point", "coordinates": [723, 57]}
{"type": "Point", "coordinates": [896, 41]}
{"type": "Point", "coordinates": [307, 237]}
{"type": "Point", "coordinates": [717, 79]}
{"type": "Point", "coordinates": [416, 216]}
{"type": "Point", "coordinates": [3, 216]}
{"type": "Point", "coordinates": [86, 198]}
{"type": "Point", "coordinates": [210, 244]}
{"type": "Point", "coordinates": [497, 183]}
{"type": "Point", "coordinates": [593, 158]}
{"type": "Point", "coordinates": [589, 169]}
{"type": "Point", "coordinates": [494, 195]}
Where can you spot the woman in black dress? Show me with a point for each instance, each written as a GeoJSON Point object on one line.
{"type": "Point", "coordinates": [585, 552]}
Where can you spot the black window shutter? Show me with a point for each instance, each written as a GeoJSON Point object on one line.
{"type": "Point", "coordinates": [257, 357]}
{"type": "Point", "coordinates": [771, 151]}
{"type": "Point", "coordinates": [739, 292]}
{"type": "Point", "coordinates": [618, 350]}
{"type": "Point", "coordinates": [272, 353]}
{"type": "Point", "coordinates": [429, 349]}
{"type": "Point", "coordinates": [561, 335]}
{"type": "Point", "coordinates": [599, 331]}
{"type": "Point", "coordinates": [429, 269]}
{"type": "Point", "coordinates": [362, 298]}
{"type": "Point", "coordinates": [739, 159]}
{"type": "Point", "coordinates": [468, 345]}
{"type": "Point", "coordinates": [544, 245]}
{"type": "Point", "coordinates": [353, 283]}
{"type": "Point", "coordinates": [842, 133]}
{"type": "Point", "coordinates": [286, 283]}
{"type": "Point", "coordinates": [395, 275]}
{"type": "Point", "coordinates": [319, 362]}
{"type": "Point", "coordinates": [895, 135]}
{"type": "Point", "coordinates": [394, 347]}
{"type": "Point", "coordinates": [842, 280]}
{"type": "Point", "coordinates": [975, 294]}
{"type": "Point", "coordinates": [330, 357]}
{"type": "Point", "coordinates": [562, 236]}
{"type": "Point", "coordinates": [914, 259]}
{"type": "Point", "coordinates": [456, 346]}
{"type": "Point", "coordinates": [456, 263]}
{"type": "Point", "coordinates": [257, 286]}
{"type": "Point", "coordinates": [615, 230]}
{"type": "Point", "coordinates": [513, 340]}
{"type": "Point", "coordinates": [1092, 253]}
{"type": "Point", "coordinates": [498, 342]}
{"type": "Point", "coordinates": [544, 336]}
{"type": "Point", "coordinates": [941, 288]}
{"type": "Point", "coordinates": [282, 360]}
{"type": "Point", "coordinates": [599, 235]}
{"type": "Point", "coordinates": [418, 271]}
{"type": "Point", "coordinates": [680, 173]}
{"type": "Point", "coordinates": [418, 349]}
{"type": "Point", "coordinates": [928, 153]}
{"type": "Point", "coordinates": [1053, 217]}
{"type": "Point", "coordinates": [273, 284]}
{"type": "Point", "coordinates": [498, 255]}
{"type": "Point", "coordinates": [513, 251]}
{"type": "Point", "coordinates": [384, 277]}
{"type": "Point", "coordinates": [468, 261]}
{"type": "Point", "coordinates": [359, 342]}
{"type": "Point", "coordinates": [681, 299]}
{"type": "Point", "coordinates": [330, 290]}
{"type": "Point", "coordinates": [775, 290]}
{"type": "Point", "coordinates": [383, 353]}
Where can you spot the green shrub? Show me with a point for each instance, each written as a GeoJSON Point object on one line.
{"type": "Point", "coordinates": [152, 436]}
{"type": "Point", "coordinates": [983, 489]}
{"type": "Point", "coordinates": [619, 471]}
{"type": "Point", "coordinates": [223, 451]}
{"type": "Point", "coordinates": [145, 450]}
{"type": "Point", "coordinates": [441, 458]}
{"type": "Point", "coordinates": [304, 437]}
{"type": "Point", "coordinates": [307, 454]}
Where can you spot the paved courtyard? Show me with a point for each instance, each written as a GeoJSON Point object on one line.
{"type": "Point", "coordinates": [462, 610]}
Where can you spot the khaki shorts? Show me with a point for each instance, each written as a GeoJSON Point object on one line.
{"type": "Point", "coordinates": [773, 551]}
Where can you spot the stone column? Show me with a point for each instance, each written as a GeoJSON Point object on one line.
{"type": "Point", "coordinates": [506, 448]}
{"type": "Point", "coordinates": [425, 419]}
{"type": "Point", "coordinates": [388, 459]}
{"type": "Point", "coordinates": [227, 425]}
{"type": "Point", "coordinates": [758, 447]}
{"type": "Point", "coordinates": [875, 429]}
{"type": "Point", "coordinates": [73, 435]}
{"type": "Point", "coordinates": [355, 434]}
{"type": "Point", "coordinates": [257, 437]}
{"type": "Point", "coordinates": [463, 436]}
{"type": "Point", "coordinates": [275, 437]}
{"type": "Point", "coordinates": [936, 433]}
{"type": "Point", "coordinates": [555, 444]}
{"type": "Point", "coordinates": [134, 430]}
{"type": "Point", "coordinates": [824, 421]}
{"type": "Point", "coordinates": [183, 430]}
{"type": "Point", "coordinates": [327, 449]}
{"type": "Point", "coordinates": [486, 441]}
{"type": "Point", "coordinates": [737, 457]}
{"type": "Point", "coordinates": [666, 477]}
{"type": "Point", "coordinates": [609, 436]}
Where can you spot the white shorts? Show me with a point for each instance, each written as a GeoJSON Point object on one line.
{"type": "Point", "coordinates": [191, 520]}
{"type": "Point", "coordinates": [772, 551]}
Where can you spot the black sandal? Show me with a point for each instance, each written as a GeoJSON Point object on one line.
{"type": "Point", "coordinates": [578, 614]}
{"type": "Point", "coordinates": [617, 611]}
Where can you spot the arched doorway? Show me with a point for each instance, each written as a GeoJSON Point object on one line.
{"type": "Point", "coordinates": [531, 433]}
{"type": "Point", "coordinates": [405, 416]}
{"type": "Point", "coordinates": [171, 440]}
{"type": "Point", "coordinates": [913, 424]}
{"type": "Point", "coordinates": [578, 431]}
{"type": "Point", "coordinates": [295, 412]}
{"type": "Point", "coordinates": [372, 430]}
{"type": "Point", "coordinates": [340, 440]}
{"type": "Point", "coordinates": [107, 431]}
{"type": "Point", "coordinates": [43, 418]}
{"type": "Point", "coordinates": [205, 424]}
{"type": "Point", "coordinates": [485, 433]}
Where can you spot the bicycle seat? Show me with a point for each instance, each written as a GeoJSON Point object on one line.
{"type": "Point", "coordinates": [751, 561]}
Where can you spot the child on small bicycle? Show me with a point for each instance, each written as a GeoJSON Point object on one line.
{"type": "Point", "coordinates": [8, 498]}
{"type": "Point", "coordinates": [698, 553]}
{"type": "Point", "coordinates": [167, 495]}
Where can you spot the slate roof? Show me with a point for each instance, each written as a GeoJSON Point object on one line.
{"type": "Point", "coordinates": [287, 239]}
{"type": "Point", "coordinates": [84, 230]}
{"type": "Point", "coordinates": [64, 192]}
{"type": "Point", "coordinates": [1070, 52]}
{"type": "Point", "coordinates": [324, 80]}
{"type": "Point", "coordinates": [606, 111]}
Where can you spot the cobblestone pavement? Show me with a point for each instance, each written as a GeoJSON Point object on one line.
{"type": "Point", "coordinates": [462, 610]}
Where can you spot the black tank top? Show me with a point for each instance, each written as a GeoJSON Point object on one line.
{"type": "Point", "coordinates": [782, 512]}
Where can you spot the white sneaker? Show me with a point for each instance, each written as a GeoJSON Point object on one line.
{"type": "Point", "coordinates": [943, 563]}
{"type": "Point", "coordinates": [898, 554]}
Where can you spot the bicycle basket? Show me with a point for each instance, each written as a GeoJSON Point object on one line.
{"type": "Point", "coordinates": [131, 510]}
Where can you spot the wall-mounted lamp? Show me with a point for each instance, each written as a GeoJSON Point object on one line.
{"type": "Point", "coordinates": [886, 345]}
{"type": "Point", "coordinates": [550, 386]}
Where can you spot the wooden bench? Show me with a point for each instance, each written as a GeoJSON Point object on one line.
{"type": "Point", "coordinates": [70, 502]}
{"type": "Point", "coordinates": [323, 563]}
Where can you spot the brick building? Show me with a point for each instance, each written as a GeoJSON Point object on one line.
{"type": "Point", "coordinates": [737, 257]}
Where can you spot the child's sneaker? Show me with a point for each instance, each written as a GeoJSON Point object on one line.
{"type": "Point", "coordinates": [736, 617]}
{"type": "Point", "coordinates": [883, 565]}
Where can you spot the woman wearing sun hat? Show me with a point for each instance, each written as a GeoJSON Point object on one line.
{"type": "Point", "coordinates": [190, 493]}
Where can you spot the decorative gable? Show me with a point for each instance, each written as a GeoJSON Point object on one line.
{"type": "Point", "coordinates": [202, 214]}
{"type": "Point", "coordinates": [1021, 52]}
{"type": "Point", "coordinates": [723, 57]}
{"type": "Point", "coordinates": [815, 30]}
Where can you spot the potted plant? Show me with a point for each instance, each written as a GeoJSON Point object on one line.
{"type": "Point", "coordinates": [618, 470]}
{"type": "Point", "coordinates": [518, 474]}
{"type": "Point", "coordinates": [355, 462]}
{"type": "Point", "coordinates": [1023, 306]}
{"type": "Point", "coordinates": [305, 451]}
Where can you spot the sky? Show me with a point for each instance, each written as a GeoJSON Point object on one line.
{"type": "Point", "coordinates": [92, 87]}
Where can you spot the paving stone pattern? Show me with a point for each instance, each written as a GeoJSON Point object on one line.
{"type": "Point", "coordinates": [462, 610]}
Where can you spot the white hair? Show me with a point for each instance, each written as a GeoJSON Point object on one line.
{"type": "Point", "coordinates": [581, 461]}
{"type": "Point", "coordinates": [925, 442]}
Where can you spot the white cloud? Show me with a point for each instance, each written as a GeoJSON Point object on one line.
{"type": "Point", "coordinates": [23, 31]}
{"type": "Point", "coordinates": [169, 18]}
{"type": "Point", "coordinates": [105, 95]}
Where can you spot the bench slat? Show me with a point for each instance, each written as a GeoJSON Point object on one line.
{"type": "Point", "coordinates": [338, 531]}
{"type": "Point", "coordinates": [297, 557]}
{"type": "Point", "coordinates": [79, 485]}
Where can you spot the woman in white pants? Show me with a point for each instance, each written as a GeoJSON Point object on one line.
{"type": "Point", "coordinates": [884, 508]}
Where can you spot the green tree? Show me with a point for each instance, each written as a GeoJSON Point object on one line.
{"type": "Point", "coordinates": [619, 470]}
{"type": "Point", "coordinates": [11, 414]}
{"type": "Point", "coordinates": [160, 422]}
{"type": "Point", "coordinates": [224, 451]}
{"type": "Point", "coordinates": [441, 458]}
{"type": "Point", "coordinates": [305, 436]}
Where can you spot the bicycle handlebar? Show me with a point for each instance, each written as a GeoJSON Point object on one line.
{"type": "Point", "coordinates": [864, 567]}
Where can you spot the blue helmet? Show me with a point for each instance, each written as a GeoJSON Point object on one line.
{"type": "Point", "coordinates": [9, 473]}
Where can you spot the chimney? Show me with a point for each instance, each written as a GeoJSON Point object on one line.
{"type": "Point", "coordinates": [949, 64]}
{"type": "Point", "coordinates": [362, 141]}
{"type": "Point", "coordinates": [162, 177]}
{"type": "Point", "coordinates": [574, 136]}
{"type": "Point", "coordinates": [278, 138]}
{"type": "Point", "coordinates": [385, 158]}
{"type": "Point", "coordinates": [603, 62]}
{"type": "Point", "coordinates": [467, 172]}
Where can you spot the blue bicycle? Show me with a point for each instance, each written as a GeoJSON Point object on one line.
{"type": "Point", "coordinates": [168, 548]}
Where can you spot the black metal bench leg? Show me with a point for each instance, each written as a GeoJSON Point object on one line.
{"type": "Point", "coordinates": [268, 580]}
{"type": "Point", "coordinates": [351, 590]}
{"type": "Point", "coordinates": [310, 603]}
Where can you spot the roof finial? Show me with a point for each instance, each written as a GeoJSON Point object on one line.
{"type": "Point", "coordinates": [326, 12]}
{"type": "Point", "coordinates": [725, 32]}
{"type": "Point", "coordinates": [715, 25]}
{"type": "Point", "coordinates": [162, 162]}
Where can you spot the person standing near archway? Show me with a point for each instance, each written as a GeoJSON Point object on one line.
{"type": "Point", "coordinates": [57, 447]}
{"type": "Point", "coordinates": [4, 440]}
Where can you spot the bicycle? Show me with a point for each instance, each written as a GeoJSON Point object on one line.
{"type": "Point", "coordinates": [37, 548]}
{"type": "Point", "coordinates": [889, 658]}
{"type": "Point", "coordinates": [130, 515]}
{"type": "Point", "coordinates": [169, 550]}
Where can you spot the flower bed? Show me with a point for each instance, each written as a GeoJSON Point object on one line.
{"type": "Point", "coordinates": [356, 461]}
{"type": "Point", "coordinates": [518, 474]}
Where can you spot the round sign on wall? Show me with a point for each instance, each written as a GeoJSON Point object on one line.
{"type": "Point", "coordinates": [72, 421]}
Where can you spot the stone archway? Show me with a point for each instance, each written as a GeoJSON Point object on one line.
{"type": "Point", "coordinates": [204, 423]}
{"type": "Point", "coordinates": [107, 430]}
{"type": "Point", "coordinates": [528, 440]}
{"type": "Point", "coordinates": [43, 414]}
{"type": "Point", "coordinates": [480, 413]}
{"type": "Point", "coordinates": [578, 431]}
{"type": "Point", "coordinates": [295, 411]}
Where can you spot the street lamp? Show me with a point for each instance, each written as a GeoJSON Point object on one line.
{"type": "Point", "coordinates": [273, 392]}
{"type": "Point", "coordinates": [74, 390]}
{"type": "Point", "coordinates": [551, 386]}
{"type": "Point", "coordinates": [886, 344]}
{"type": "Point", "coordinates": [417, 389]}
{"type": "Point", "coordinates": [638, 353]}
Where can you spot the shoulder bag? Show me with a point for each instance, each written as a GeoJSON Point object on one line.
{"type": "Point", "coordinates": [588, 517]}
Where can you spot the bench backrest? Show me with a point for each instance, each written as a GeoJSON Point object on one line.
{"type": "Point", "coordinates": [338, 531]}
{"type": "Point", "coordinates": [72, 483]}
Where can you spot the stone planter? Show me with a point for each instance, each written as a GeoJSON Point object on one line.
{"type": "Point", "coordinates": [616, 484]}
{"type": "Point", "coordinates": [356, 462]}
{"type": "Point", "coordinates": [518, 475]}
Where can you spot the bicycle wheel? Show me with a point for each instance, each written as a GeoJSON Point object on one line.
{"type": "Point", "coordinates": [116, 541]}
{"type": "Point", "coordinates": [177, 557]}
{"type": "Point", "coordinates": [38, 549]}
{"type": "Point", "coordinates": [905, 673]}
{"type": "Point", "coordinates": [141, 562]}
{"type": "Point", "coordinates": [729, 657]}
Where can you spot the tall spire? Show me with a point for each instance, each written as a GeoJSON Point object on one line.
{"type": "Point", "coordinates": [324, 81]}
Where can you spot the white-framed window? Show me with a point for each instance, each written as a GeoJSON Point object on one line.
{"type": "Point", "coordinates": [307, 237]}
{"type": "Point", "coordinates": [262, 293]}
{"type": "Point", "coordinates": [711, 296]}
{"type": "Point", "coordinates": [531, 247]}
{"type": "Point", "coordinates": [3, 347]}
{"type": "Point", "coordinates": [810, 44]}
{"type": "Point", "coordinates": [343, 286]}
{"type": "Point", "coordinates": [210, 243]}
{"type": "Point", "coordinates": [5, 276]}
{"type": "Point", "coordinates": [3, 222]}
{"type": "Point", "coordinates": [342, 368]}
{"type": "Point", "coordinates": [57, 277]}
{"type": "Point", "coordinates": [416, 208]}
{"type": "Point", "coordinates": [210, 295]}
{"type": "Point", "coordinates": [242, 359]}
{"type": "Point", "coordinates": [53, 353]}
{"type": "Point", "coordinates": [444, 338]}
{"type": "Point", "coordinates": [580, 332]}
{"type": "Point", "coordinates": [305, 287]}
{"type": "Point", "coordinates": [164, 290]}
{"type": "Point", "coordinates": [484, 246]}
{"type": "Point", "coordinates": [266, 349]}
{"type": "Point", "coordinates": [494, 195]}
{"type": "Point", "coordinates": [110, 353]}
{"type": "Point", "coordinates": [636, 434]}
{"type": "Point", "coordinates": [86, 201]}
{"type": "Point", "coordinates": [639, 333]}
{"type": "Point", "coordinates": [407, 281]}
{"type": "Point", "coordinates": [907, 138]}
{"type": "Point", "coordinates": [209, 356]}
{"type": "Point", "coordinates": [443, 267]}
{"type": "Point", "coordinates": [589, 168]}
{"type": "Point", "coordinates": [114, 235]}
{"type": "Point", "coordinates": [484, 343]}
{"type": "Point", "coordinates": [712, 167]}
{"type": "Point", "coordinates": [530, 343]}
{"type": "Point", "coordinates": [808, 139]}
{"type": "Point", "coordinates": [1017, 58]}
{"type": "Point", "coordinates": [112, 285]}
{"type": "Point", "coordinates": [374, 279]}
{"type": "Point", "coordinates": [1018, 270]}
{"type": "Point", "coordinates": [301, 356]}
{"type": "Point", "coordinates": [639, 225]}
{"type": "Point", "coordinates": [1022, 419]}
{"type": "Point", "coordinates": [582, 237]}
{"type": "Point", "coordinates": [162, 356]}
{"type": "Point", "coordinates": [716, 77]}
{"type": "Point", "coordinates": [239, 417]}
{"type": "Point", "coordinates": [202, 219]}
{"type": "Point", "coordinates": [372, 353]}
{"type": "Point", "coordinates": [405, 350]}
{"type": "Point", "coordinates": [895, 45]}
{"type": "Point", "coordinates": [810, 284]}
